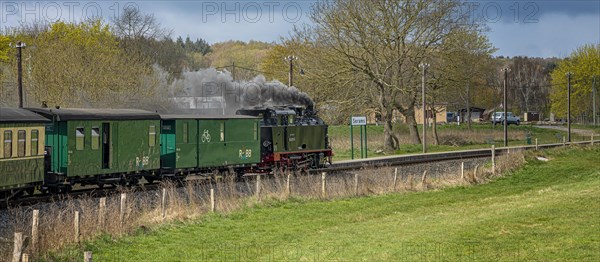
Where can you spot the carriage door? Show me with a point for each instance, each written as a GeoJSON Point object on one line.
{"type": "Point", "coordinates": [105, 145]}
{"type": "Point", "coordinates": [48, 159]}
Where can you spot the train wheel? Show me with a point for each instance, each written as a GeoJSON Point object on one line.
{"type": "Point", "coordinates": [65, 189]}
{"type": "Point", "coordinates": [17, 193]}
{"type": "Point", "coordinates": [30, 191]}
{"type": "Point", "coordinates": [134, 182]}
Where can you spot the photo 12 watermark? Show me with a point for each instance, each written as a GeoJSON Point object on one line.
{"type": "Point", "coordinates": [20, 12]}
{"type": "Point", "coordinates": [501, 11]}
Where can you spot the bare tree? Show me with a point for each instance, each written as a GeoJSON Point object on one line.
{"type": "Point", "coordinates": [530, 77]}
{"type": "Point", "coordinates": [133, 24]}
{"type": "Point", "coordinates": [465, 61]}
{"type": "Point", "coordinates": [383, 42]}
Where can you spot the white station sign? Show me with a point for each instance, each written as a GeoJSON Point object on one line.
{"type": "Point", "coordinates": [359, 121]}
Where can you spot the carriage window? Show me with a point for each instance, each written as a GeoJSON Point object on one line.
{"type": "Point", "coordinates": [7, 143]}
{"type": "Point", "coordinates": [34, 142]}
{"type": "Point", "coordinates": [21, 136]}
{"type": "Point", "coordinates": [291, 120]}
{"type": "Point", "coordinates": [222, 132]}
{"type": "Point", "coordinates": [151, 135]}
{"type": "Point", "coordinates": [255, 131]}
{"type": "Point", "coordinates": [95, 138]}
{"type": "Point", "coordinates": [185, 133]}
{"type": "Point", "coordinates": [79, 138]}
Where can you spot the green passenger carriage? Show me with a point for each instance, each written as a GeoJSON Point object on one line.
{"type": "Point", "coordinates": [196, 144]}
{"type": "Point", "coordinates": [21, 152]}
{"type": "Point", "coordinates": [100, 146]}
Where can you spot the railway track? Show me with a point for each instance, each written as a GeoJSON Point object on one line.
{"type": "Point", "coordinates": [346, 165]}
{"type": "Point", "coordinates": [397, 160]}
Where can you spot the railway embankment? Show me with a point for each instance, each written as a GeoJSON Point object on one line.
{"type": "Point", "coordinates": [377, 214]}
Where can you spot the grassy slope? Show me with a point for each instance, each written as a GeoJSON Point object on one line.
{"type": "Point", "coordinates": [546, 211]}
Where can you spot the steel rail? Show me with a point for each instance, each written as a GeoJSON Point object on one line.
{"type": "Point", "coordinates": [374, 162]}
{"type": "Point", "coordinates": [397, 160]}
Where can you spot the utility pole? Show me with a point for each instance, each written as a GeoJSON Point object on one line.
{"type": "Point", "coordinates": [233, 71]}
{"type": "Point", "coordinates": [569, 74]}
{"type": "Point", "coordinates": [594, 101]}
{"type": "Point", "coordinates": [468, 105]}
{"type": "Point", "coordinates": [20, 45]}
{"type": "Point", "coordinates": [424, 66]}
{"type": "Point", "coordinates": [291, 59]}
{"type": "Point", "coordinates": [505, 105]}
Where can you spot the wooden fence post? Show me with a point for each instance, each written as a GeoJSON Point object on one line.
{"type": "Point", "coordinates": [564, 141]}
{"type": "Point", "coordinates": [18, 247]}
{"type": "Point", "coordinates": [25, 257]}
{"type": "Point", "coordinates": [537, 147]}
{"type": "Point", "coordinates": [102, 212]}
{"type": "Point", "coordinates": [411, 184]}
{"type": "Point", "coordinates": [212, 200]}
{"type": "Point", "coordinates": [288, 190]}
{"type": "Point", "coordinates": [123, 207]}
{"type": "Point", "coordinates": [76, 225]}
{"type": "Point", "coordinates": [493, 159]}
{"type": "Point", "coordinates": [395, 179]}
{"type": "Point", "coordinates": [356, 184]}
{"type": "Point", "coordinates": [424, 180]}
{"type": "Point", "coordinates": [462, 171]}
{"type": "Point", "coordinates": [592, 139]}
{"type": "Point", "coordinates": [258, 186]}
{"type": "Point", "coordinates": [190, 193]}
{"type": "Point", "coordinates": [163, 203]}
{"type": "Point", "coordinates": [35, 221]}
{"type": "Point", "coordinates": [87, 256]}
{"type": "Point", "coordinates": [324, 184]}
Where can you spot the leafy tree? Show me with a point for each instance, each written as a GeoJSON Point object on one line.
{"type": "Point", "coordinates": [82, 65]}
{"type": "Point", "coordinates": [246, 56]}
{"type": "Point", "coordinates": [4, 48]}
{"type": "Point", "coordinates": [583, 63]}
{"type": "Point", "coordinates": [202, 46]}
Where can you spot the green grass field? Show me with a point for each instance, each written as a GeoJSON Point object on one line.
{"type": "Point", "coordinates": [544, 211]}
{"type": "Point", "coordinates": [452, 137]}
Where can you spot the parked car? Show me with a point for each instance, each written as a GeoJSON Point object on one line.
{"type": "Point", "coordinates": [498, 118]}
{"type": "Point", "coordinates": [450, 117]}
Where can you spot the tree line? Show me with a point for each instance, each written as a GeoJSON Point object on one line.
{"type": "Point", "coordinates": [130, 60]}
{"type": "Point", "coordinates": [356, 57]}
{"type": "Point", "coordinates": [363, 57]}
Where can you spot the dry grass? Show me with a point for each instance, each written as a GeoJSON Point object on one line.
{"type": "Point", "coordinates": [143, 209]}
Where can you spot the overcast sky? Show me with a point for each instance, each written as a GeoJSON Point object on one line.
{"type": "Point", "coordinates": [531, 28]}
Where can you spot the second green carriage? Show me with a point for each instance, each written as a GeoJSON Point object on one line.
{"type": "Point", "coordinates": [192, 143]}
{"type": "Point", "coordinates": [100, 146]}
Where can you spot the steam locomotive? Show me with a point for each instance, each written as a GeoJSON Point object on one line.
{"type": "Point", "coordinates": [51, 150]}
